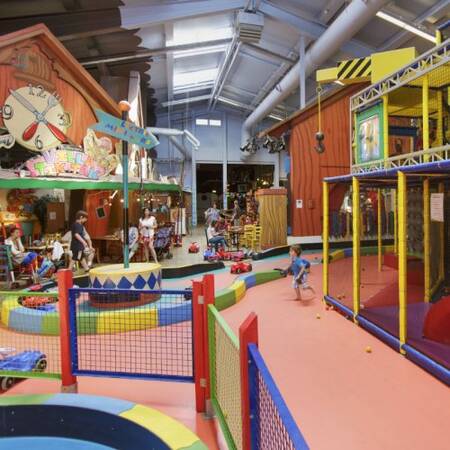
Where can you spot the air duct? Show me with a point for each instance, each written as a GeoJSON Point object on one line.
{"type": "Point", "coordinates": [349, 22]}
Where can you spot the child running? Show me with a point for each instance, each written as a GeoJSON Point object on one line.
{"type": "Point", "coordinates": [300, 269]}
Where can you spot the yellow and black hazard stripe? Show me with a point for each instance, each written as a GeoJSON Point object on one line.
{"type": "Point", "coordinates": [355, 68]}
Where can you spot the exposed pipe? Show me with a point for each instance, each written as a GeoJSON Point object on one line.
{"type": "Point", "coordinates": [349, 22]}
{"type": "Point", "coordinates": [182, 148]}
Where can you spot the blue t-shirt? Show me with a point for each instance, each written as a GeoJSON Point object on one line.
{"type": "Point", "coordinates": [298, 264]}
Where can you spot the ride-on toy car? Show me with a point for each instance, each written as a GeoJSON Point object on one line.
{"type": "Point", "coordinates": [194, 247]}
{"type": "Point", "coordinates": [241, 267]}
{"type": "Point", "coordinates": [27, 361]}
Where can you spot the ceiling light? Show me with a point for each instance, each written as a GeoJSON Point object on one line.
{"type": "Point", "coordinates": [275, 117]}
{"type": "Point", "coordinates": [405, 26]}
{"type": "Point", "coordinates": [228, 101]}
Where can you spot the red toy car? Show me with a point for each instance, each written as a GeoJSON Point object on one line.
{"type": "Point", "coordinates": [194, 247]}
{"type": "Point", "coordinates": [223, 255]}
{"type": "Point", "coordinates": [241, 267]}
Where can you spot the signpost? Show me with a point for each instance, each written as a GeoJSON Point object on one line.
{"type": "Point", "coordinates": [127, 132]}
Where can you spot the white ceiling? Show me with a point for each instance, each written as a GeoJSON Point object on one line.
{"type": "Point", "coordinates": [183, 76]}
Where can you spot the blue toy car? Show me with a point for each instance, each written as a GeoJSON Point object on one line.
{"type": "Point", "coordinates": [209, 254]}
{"type": "Point", "coordinates": [27, 361]}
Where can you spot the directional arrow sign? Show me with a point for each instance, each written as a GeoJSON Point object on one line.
{"type": "Point", "coordinates": [124, 130]}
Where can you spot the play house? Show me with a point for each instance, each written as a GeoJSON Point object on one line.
{"type": "Point", "coordinates": [52, 162]}
{"type": "Point", "coordinates": [397, 193]}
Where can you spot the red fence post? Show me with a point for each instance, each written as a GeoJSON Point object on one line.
{"type": "Point", "coordinates": [209, 299]}
{"type": "Point", "coordinates": [68, 380]}
{"type": "Point", "coordinates": [248, 334]}
{"type": "Point", "coordinates": [199, 346]}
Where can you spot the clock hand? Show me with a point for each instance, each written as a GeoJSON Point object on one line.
{"type": "Point", "coordinates": [56, 131]}
{"type": "Point", "coordinates": [30, 131]}
{"type": "Point", "coordinates": [24, 102]}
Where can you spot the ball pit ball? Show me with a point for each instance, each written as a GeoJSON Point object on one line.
{"type": "Point", "coordinates": [368, 349]}
{"type": "Point", "coordinates": [317, 316]}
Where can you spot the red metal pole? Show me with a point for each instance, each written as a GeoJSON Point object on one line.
{"type": "Point", "coordinates": [248, 334]}
{"type": "Point", "coordinates": [199, 347]}
{"type": "Point", "coordinates": [209, 299]}
{"type": "Point", "coordinates": [65, 282]}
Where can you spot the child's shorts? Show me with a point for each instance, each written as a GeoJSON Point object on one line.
{"type": "Point", "coordinates": [302, 281]}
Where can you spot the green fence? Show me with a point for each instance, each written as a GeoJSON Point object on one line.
{"type": "Point", "coordinates": [225, 378]}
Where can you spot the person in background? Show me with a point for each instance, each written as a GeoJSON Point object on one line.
{"type": "Point", "coordinates": [212, 213]}
{"type": "Point", "coordinates": [221, 225]}
{"type": "Point", "coordinates": [133, 239]}
{"type": "Point", "coordinates": [80, 245]}
{"type": "Point", "coordinates": [300, 269]}
{"type": "Point", "coordinates": [147, 226]}
{"type": "Point", "coordinates": [215, 238]}
{"type": "Point", "coordinates": [19, 256]}
{"type": "Point", "coordinates": [47, 267]}
{"type": "Point", "coordinates": [236, 213]}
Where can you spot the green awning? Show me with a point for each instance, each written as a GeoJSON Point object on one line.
{"type": "Point", "coordinates": [73, 184]}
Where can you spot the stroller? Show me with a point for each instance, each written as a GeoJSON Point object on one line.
{"type": "Point", "coordinates": [163, 242]}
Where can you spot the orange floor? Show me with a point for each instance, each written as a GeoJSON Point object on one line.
{"type": "Point", "coordinates": [341, 396]}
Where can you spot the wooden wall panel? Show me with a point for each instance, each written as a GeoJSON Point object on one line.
{"type": "Point", "coordinates": [308, 167]}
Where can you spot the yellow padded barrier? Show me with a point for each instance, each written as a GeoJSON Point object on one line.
{"type": "Point", "coordinates": [239, 288]}
{"type": "Point", "coordinates": [125, 320]}
{"type": "Point", "coordinates": [8, 305]}
{"type": "Point", "coordinates": [173, 433]}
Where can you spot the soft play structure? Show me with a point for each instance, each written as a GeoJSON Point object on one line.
{"type": "Point", "coordinates": [437, 322]}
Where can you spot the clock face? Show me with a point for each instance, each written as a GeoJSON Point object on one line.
{"type": "Point", "coordinates": [35, 117]}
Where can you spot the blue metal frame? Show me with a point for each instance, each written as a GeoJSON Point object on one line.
{"type": "Point", "coordinates": [98, 373]}
{"type": "Point", "coordinates": [257, 365]}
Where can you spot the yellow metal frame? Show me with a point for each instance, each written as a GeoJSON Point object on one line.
{"type": "Point", "coordinates": [386, 127]}
{"type": "Point", "coordinates": [379, 232]}
{"type": "Point", "coordinates": [356, 245]}
{"type": "Point", "coordinates": [426, 115]}
{"type": "Point", "coordinates": [326, 233]}
{"type": "Point", "coordinates": [440, 120]}
{"type": "Point", "coordinates": [395, 223]}
{"type": "Point", "coordinates": [402, 257]}
{"type": "Point", "coordinates": [426, 239]}
{"type": "Point", "coordinates": [441, 189]}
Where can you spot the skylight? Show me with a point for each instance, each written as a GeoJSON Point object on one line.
{"type": "Point", "coordinates": [190, 35]}
{"type": "Point", "coordinates": [198, 77]}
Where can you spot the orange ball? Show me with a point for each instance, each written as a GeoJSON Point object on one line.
{"type": "Point", "coordinates": [368, 349]}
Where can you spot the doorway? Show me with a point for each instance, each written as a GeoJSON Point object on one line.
{"type": "Point", "coordinates": [209, 188]}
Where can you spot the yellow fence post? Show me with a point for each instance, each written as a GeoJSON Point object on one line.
{"type": "Point", "coordinates": [356, 245]}
{"type": "Point", "coordinates": [441, 189]}
{"type": "Point", "coordinates": [386, 128]}
{"type": "Point", "coordinates": [395, 223]}
{"type": "Point", "coordinates": [440, 119]}
{"type": "Point", "coordinates": [426, 239]}
{"type": "Point", "coordinates": [326, 233]}
{"type": "Point", "coordinates": [379, 232]}
{"type": "Point", "coordinates": [425, 116]}
{"type": "Point", "coordinates": [402, 258]}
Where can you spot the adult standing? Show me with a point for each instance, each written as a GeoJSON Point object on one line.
{"type": "Point", "coordinates": [80, 244]}
{"type": "Point", "coordinates": [147, 226]}
{"type": "Point", "coordinates": [236, 213]}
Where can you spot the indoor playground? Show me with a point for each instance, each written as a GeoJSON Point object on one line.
{"type": "Point", "coordinates": [224, 225]}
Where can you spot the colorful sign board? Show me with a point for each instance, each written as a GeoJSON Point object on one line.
{"type": "Point", "coordinates": [124, 130]}
{"type": "Point", "coordinates": [63, 162]}
{"type": "Point", "coordinates": [369, 135]}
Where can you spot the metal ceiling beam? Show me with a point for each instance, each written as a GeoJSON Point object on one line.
{"type": "Point", "coordinates": [440, 8]}
{"type": "Point", "coordinates": [151, 52]}
{"type": "Point", "coordinates": [224, 71]}
{"type": "Point", "coordinates": [311, 29]}
{"type": "Point", "coordinates": [270, 54]}
{"type": "Point", "coordinates": [147, 16]}
{"type": "Point", "coordinates": [184, 101]}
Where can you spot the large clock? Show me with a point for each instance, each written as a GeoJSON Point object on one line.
{"type": "Point", "coordinates": [35, 117]}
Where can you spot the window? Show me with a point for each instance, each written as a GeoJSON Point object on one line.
{"type": "Point", "coordinates": [210, 122]}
